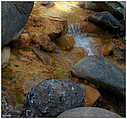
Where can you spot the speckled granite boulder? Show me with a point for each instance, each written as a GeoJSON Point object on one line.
{"type": "Point", "coordinates": [51, 97]}
{"type": "Point", "coordinates": [88, 112]}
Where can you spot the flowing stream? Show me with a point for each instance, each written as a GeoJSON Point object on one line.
{"type": "Point", "coordinates": [81, 39]}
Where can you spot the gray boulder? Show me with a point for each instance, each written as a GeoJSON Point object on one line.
{"type": "Point", "coordinates": [14, 17]}
{"type": "Point", "coordinates": [111, 15]}
{"type": "Point", "coordinates": [102, 73]}
{"type": "Point", "coordinates": [89, 5]}
{"type": "Point", "coordinates": [105, 20]}
{"type": "Point", "coordinates": [115, 7]}
{"type": "Point", "coordinates": [88, 112]}
{"type": "Point", "coordinates": [51, 97]}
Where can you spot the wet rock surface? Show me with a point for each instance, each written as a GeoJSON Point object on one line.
{"type": "Point", "coordinates": [102, 73]}
{"type": "Point", "coordinates": [92, 95]}
{"type": "Point", "coordinates": [66, 42]}
{"type": "Point", "coordinates": [115, 7]}
{"type": "Point", "coordinates": [51, 97]}
{"type": "Point", "coordinates": [88, 112]}
{"type": "Point", "coordinates": [111, 11]}
{"type": "Point", "coordinates": [107, 101]}
{"type": "Point", "coordinates": [105, 19]}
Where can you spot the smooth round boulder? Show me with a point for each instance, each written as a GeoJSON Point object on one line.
{"type": "Point", "coordinates": [51, 97]}
{"type": "Point", "coordinates": [88, 112]}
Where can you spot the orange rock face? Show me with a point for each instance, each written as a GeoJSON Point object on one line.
{"type": "Point", "coordinates": [107, 48]}
{"type": "Point", "coordinates": [23, 42]}
{"type": "Point", "coordinates": [45, 25]}
{"type": "Point", "coordinates": [88, 27]}
{"type": "Point", "coordinates": [43, 40]}
{"type": "Point", "coordinates": [65, 42]}
{"type": "Point", "coordinates": [39, 31]}
{"type": "Point", "coordinates": [92, 95]}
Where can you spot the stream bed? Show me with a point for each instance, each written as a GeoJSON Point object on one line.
{"type": "Point", "coordinates": [53, 40]}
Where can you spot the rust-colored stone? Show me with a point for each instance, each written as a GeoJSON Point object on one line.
{"type": "Point", "coordinates": [65, 42]}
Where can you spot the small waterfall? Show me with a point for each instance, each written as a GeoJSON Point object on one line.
{"type": "Point", "coordinates": [73, 29]}
{"type": "Point", "coordinates": [81, 39]}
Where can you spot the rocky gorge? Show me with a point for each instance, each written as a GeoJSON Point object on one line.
{"type": "Point", "coordinates": [68, 60]}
